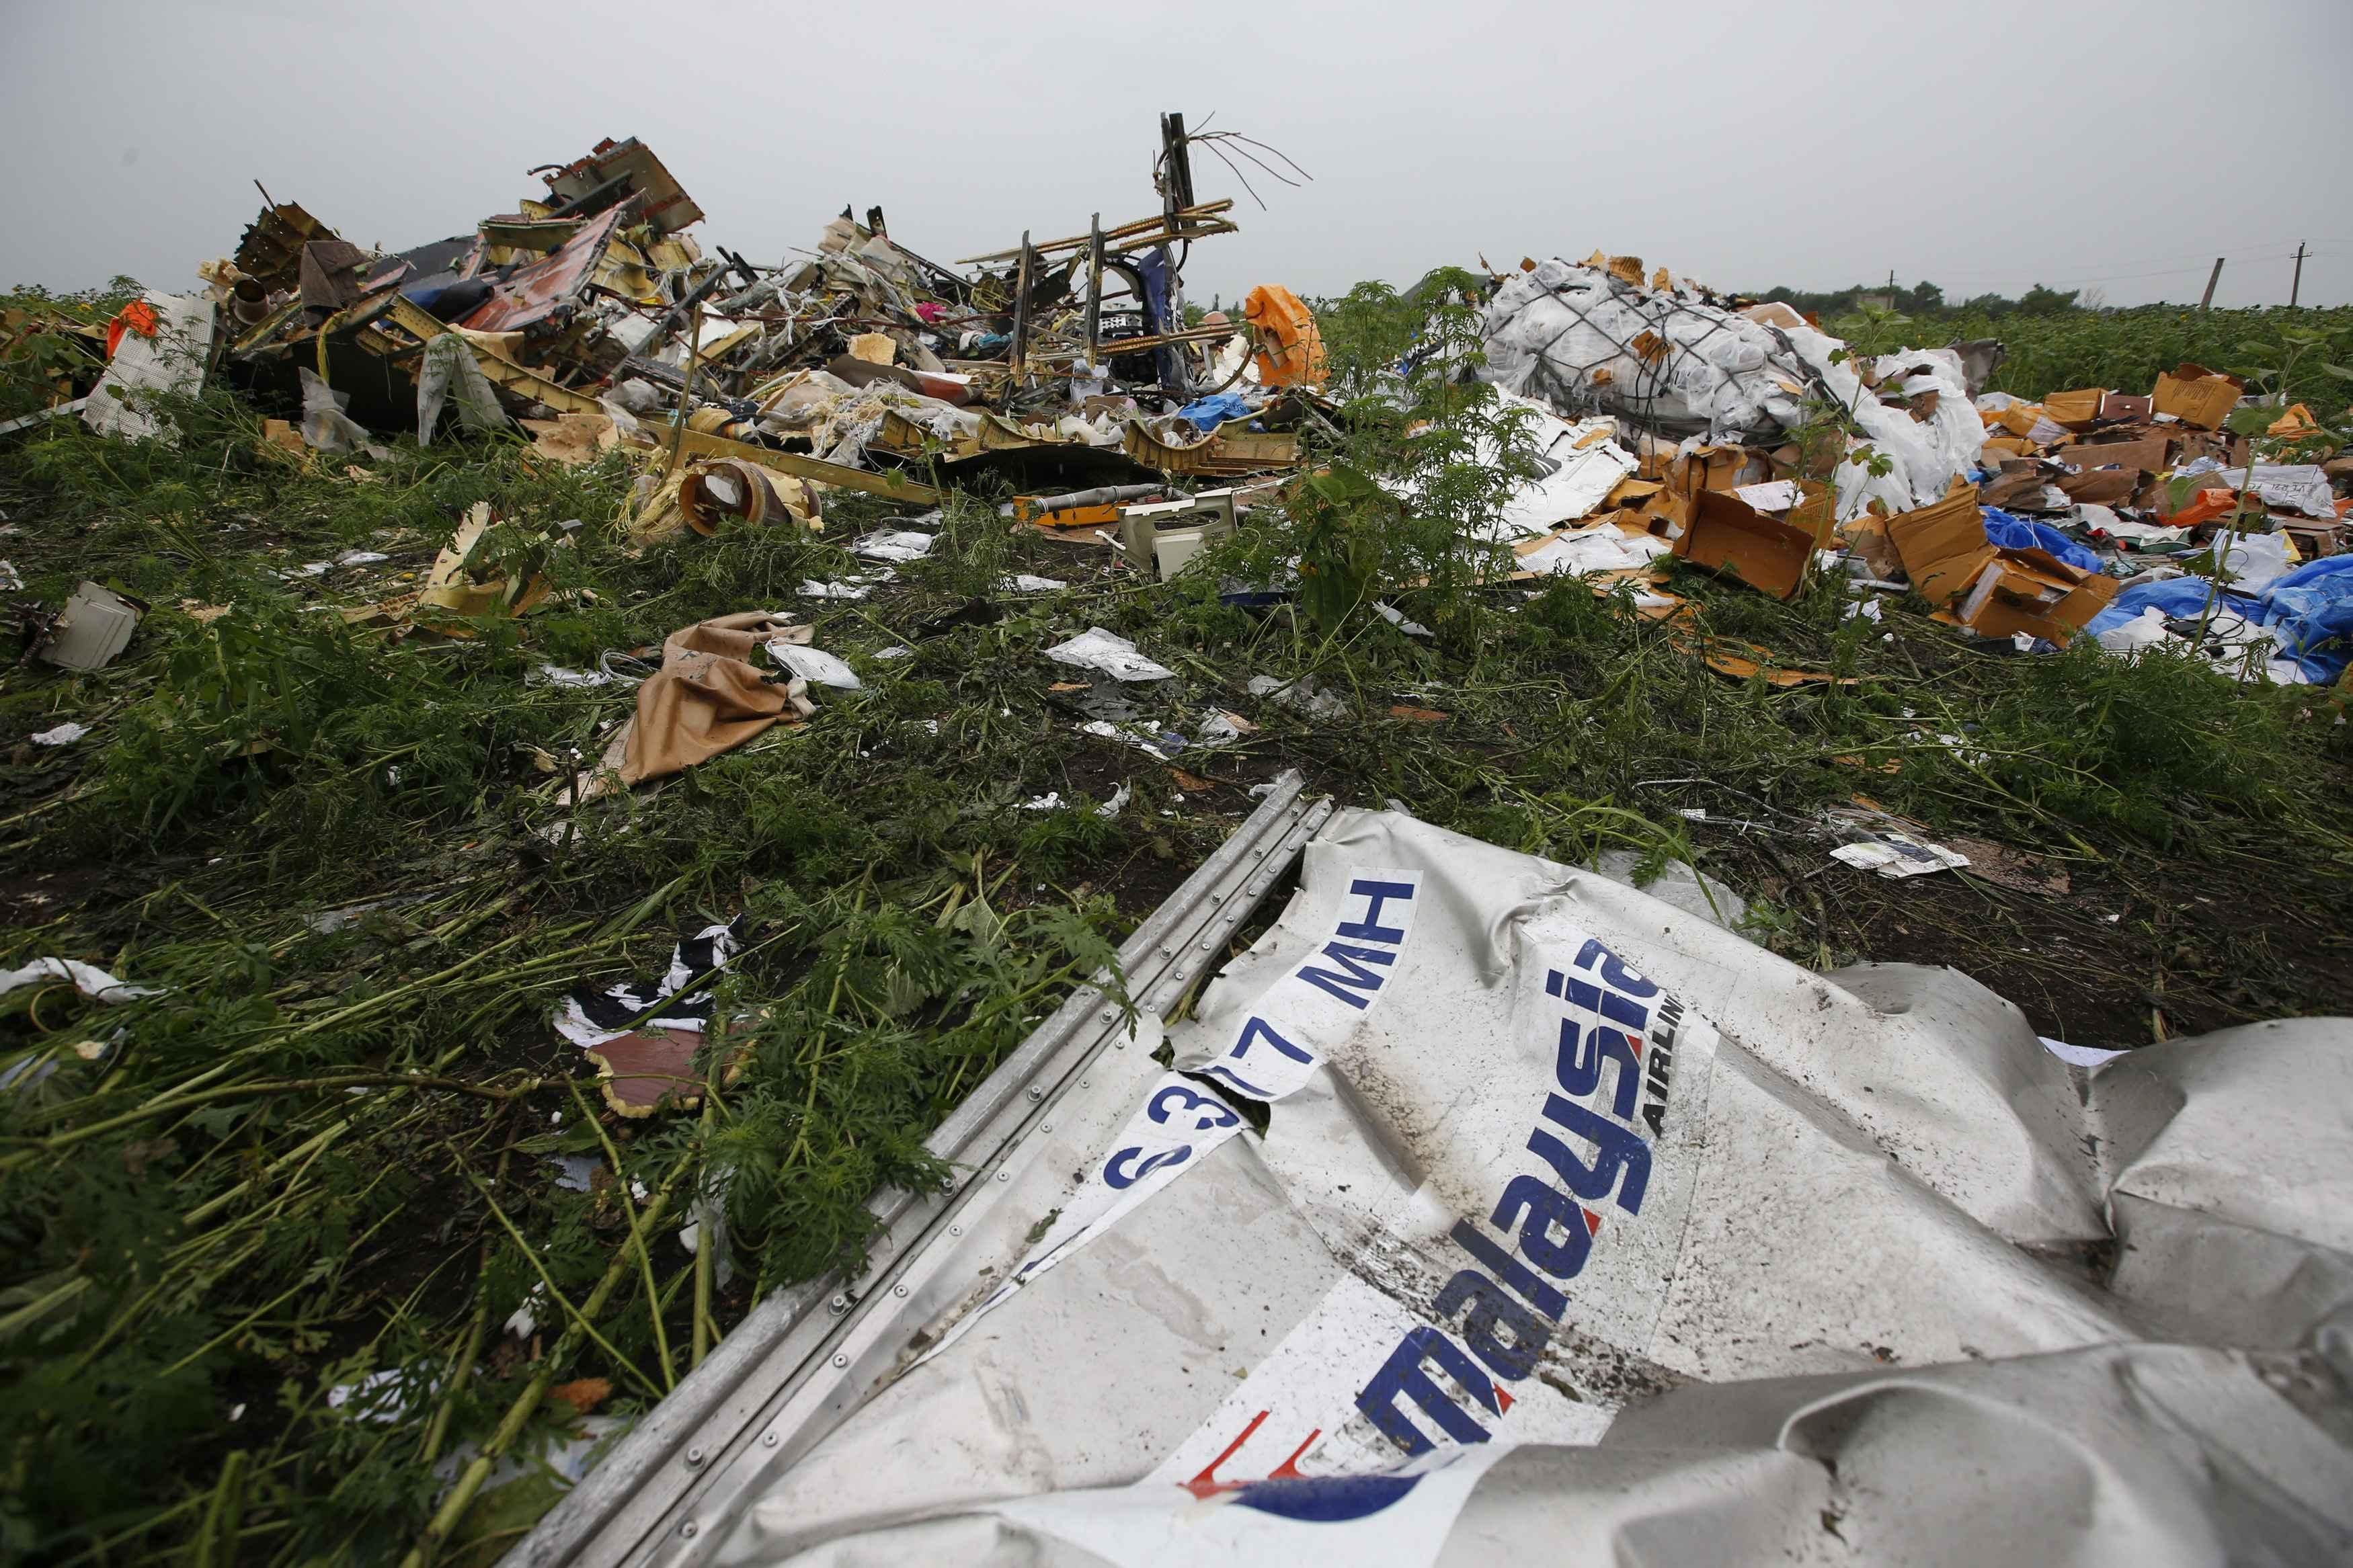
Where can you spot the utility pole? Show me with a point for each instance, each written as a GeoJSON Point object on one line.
{"type": "Point", "coordinates": [2297, 287]}
{"type": "Point", "coordinates": [2211, 278]}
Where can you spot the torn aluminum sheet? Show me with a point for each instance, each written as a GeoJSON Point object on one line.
{"type": "Point", "coordinates": [1578, 1219]}
{"type": "Point", "coordinates": [1109, 654]}
{"type": "Point", "coordinates": [171, 361]}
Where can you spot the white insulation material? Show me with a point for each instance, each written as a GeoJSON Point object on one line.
{"type": "Point", "coordinates": [1668, 362]}
{"type": "Point", "coordinates": [1496, 1211]}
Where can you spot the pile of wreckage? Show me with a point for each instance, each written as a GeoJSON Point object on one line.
{"type": "Point", "coordinates": [592, 318]}
{"type": "Point", "coordinates": [1748, 441]}
{"type": "Point", "coordinates": [1668, 419]}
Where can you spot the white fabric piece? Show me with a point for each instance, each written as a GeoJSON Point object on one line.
{"type": "Point", "coordinates": [2078, 1056]}
{"type": "Point", "coordinates": [87, 978]}
{"type": "Point", "coordinates": [2144, 630]}
{"type": "Point", "coordinates": [1301, 695]}
{"type": "Point", "coordinates": [1691, 1254]}
{"type": "Point", "coordinates": [815, 666]}
{"type": "Point", "coordinates": [2255, 561]}
{"type": "Point", "coordinates": [447, 371]}
{"type": "Point", "coordinates": [1396, 617]}
{"type": "Point", "coordinates": [325, 425]}
{"type": "Point", "coordinates": [1108, 653]}
{"type": "Point", "coordinates": [173, 361]}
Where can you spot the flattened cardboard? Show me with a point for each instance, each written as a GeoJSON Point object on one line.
{"type": "Point", "coordinates": [2101, 487]}
{"type": "Point", "coordinates": [2077, 410]}
{"type": "Point", "coordinates": [1942, 545]}
{"type": "Point", "coordinates": [1727, 535]}
{"type": "Point", "coordinates": [2199, 397]}
{"type": "Point", "coordinates": [2018, 488]}
{"type": "Point", "coordinates": [2125, 407]}
{"type": "Point", "coordinates": [2145, 453]}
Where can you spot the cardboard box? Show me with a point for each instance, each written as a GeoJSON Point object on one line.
{"type": "Point", "coordinates": [1867, 537]}
{"type": "Point", "coordinates": [2314, 540]}
{"type": "Point", "coordinates": [2102, 487]}
{"type": "Point", "coordinates": [2199, 397]}
{"type": "Point", "coordinates": [1942, 546]}
{"type": "Point", "coordinates": [2147, 453]}
{"type": "Point", "coordinates": [2010, 446]}
{"type": "Point", "coordinates": [2124, 407]}
{"type": "Point", "coordinates": [1718, 469]}
{"type": "Point", "coordinates": [2018, 487]}
{"type": "Point", "coordinates": [2032, 592]}
{"type": "Point", "coordinates": [2077, 410]}
{"type": "Point", "coordinates": [1726, 534]}
{"type": "Point", "coordinates": [2191, 445]}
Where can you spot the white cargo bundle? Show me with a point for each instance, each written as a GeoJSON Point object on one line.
{"type": "Point", "coordinates": [1667, 361]}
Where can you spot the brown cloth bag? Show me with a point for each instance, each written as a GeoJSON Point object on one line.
{"type": "Point", "coordinates": [707, 698]}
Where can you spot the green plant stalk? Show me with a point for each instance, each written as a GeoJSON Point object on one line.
{"type": "Point", "coordinates": [61, 1141]}
{"type": "Point", "coordinates": [469, 1482]}
{"type": "Point", "coordinates": [578, 1316]}
{"type": "Point", "coordinates": [637, 1236]}
{"type": "Point", "coordinates": [215, 1545]}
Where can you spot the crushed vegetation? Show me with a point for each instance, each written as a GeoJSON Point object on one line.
{"type": "Point", "coordinates": [333, 1217]}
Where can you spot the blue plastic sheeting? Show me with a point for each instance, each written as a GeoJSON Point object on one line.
{"type": "Point", "coordinates": [1208, 413]}
{"type": "Point", "coordinates": [2312, 606]}
{"type": "Point", "coordinates": [2023, 533]}
{"type": "Point", "coordinates": [2311, 609]}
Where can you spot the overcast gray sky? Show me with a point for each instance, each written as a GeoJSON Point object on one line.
{"type": "Point", "coordinates": [1981, 144]}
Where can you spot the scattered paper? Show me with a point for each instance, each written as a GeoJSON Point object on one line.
{"type": "Point", "coordinates": [1898, 854]}
{"type": "Point", "coordinates": [1779, 495]}
{"type": "Point", "coordinates": [65, 734]}
{"type": "Point", "coordinates": [1023, 583]}
{"type": "Point", "coordinates": [903, 544]}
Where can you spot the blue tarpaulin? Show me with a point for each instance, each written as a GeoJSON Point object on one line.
{"type": "Point", "coordinates": [2310, 609]}
{"type": "Point", "coordinates": [2024, 533]}
{"type": "Point", "coordinates": [1206, 414]}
